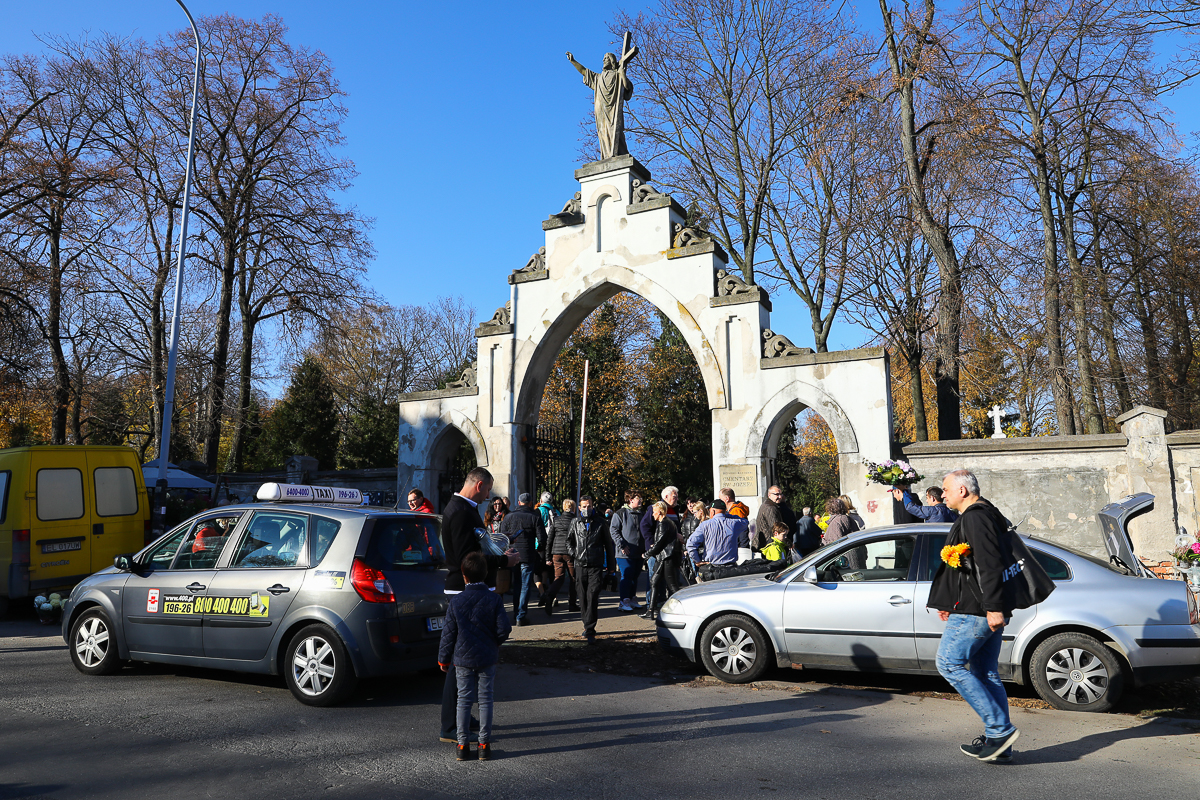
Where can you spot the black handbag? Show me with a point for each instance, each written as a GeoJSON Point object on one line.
{"type": "Point", "coordinates": [1025, 581]}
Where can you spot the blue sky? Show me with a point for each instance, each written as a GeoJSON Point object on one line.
{"type": "Point", "coordinates": [464, 121]}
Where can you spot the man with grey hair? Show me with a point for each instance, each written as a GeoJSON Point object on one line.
{"type": "Point", "coordinates": [808, 533]}
{"type": "Point", "coordinates": [968, 594]}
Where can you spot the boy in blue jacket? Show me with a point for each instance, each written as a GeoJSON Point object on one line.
{"type": "Point", "coordinates": [476, 624]}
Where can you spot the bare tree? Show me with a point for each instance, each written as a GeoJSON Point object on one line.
{"type": "Point", "coordinates": [55, 234]}
{"type": "Point", "coordinates": [271, 117]}
{"type": "Point", "coordinates": [917, 59]}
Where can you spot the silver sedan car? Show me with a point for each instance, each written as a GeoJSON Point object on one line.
{"type": "Point", "coordinates": [1106, 625]}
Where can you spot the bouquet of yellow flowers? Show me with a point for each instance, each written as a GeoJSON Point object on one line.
{"type": "Point", "coordinates": [955, 555]}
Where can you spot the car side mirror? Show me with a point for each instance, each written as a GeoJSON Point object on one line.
{"type": "Point", "coordinates": [123, 563]}
{"type": "Point", "coordinates": [810, 575]}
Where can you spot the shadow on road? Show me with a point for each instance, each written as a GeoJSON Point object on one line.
{"type": "Point", "coordinates": [766, 716]}
{"type": "Point", "coordinates": [28, 791]}
{"type": "Point", "coordinates": [1095, 742]}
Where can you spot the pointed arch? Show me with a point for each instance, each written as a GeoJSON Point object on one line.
{"type": "Point", "coordinates": [452, 418]}
{"type": "Point", "coordinates": [581, 299]}
{"type": "Point", "coordinates": [784, 405]}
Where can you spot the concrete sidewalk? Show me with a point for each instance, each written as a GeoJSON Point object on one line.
{"type": "Point", "coordinates": [567, 624]}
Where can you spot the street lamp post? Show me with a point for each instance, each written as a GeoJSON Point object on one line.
{"type": "Point", "coordinates": [164, 443]}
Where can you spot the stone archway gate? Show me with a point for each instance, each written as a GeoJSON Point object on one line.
{"type": "Point", "coordinates": [619, 234]}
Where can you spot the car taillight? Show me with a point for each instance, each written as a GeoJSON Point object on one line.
{"type": "Point", "coordinates": [20, 550]}
{"type": "Point", "coordinates": [371, 584]}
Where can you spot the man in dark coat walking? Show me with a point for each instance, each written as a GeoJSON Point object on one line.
{"type": "Point", "coordinates": [462, 529]}
{"type": "Point", "coordinates": [524, 529]}
{"type": "Point", "coordinates": [973, 604]}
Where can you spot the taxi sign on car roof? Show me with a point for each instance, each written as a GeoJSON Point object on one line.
{"type": "Point", "coordinates": [297, 493]}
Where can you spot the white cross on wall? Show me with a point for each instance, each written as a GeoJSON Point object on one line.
{"type": "Point", "coordinates": [997, 415]}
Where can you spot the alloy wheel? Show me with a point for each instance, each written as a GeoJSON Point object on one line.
{"type": "Point", "coordinates": [91, 642]}
{"type": "Point", "coordinates": [313, 666]}
{"type": "Point", "coordinates": [732, 650]}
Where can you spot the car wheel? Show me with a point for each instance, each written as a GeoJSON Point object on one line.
{"type": "Point", "coordinates": [1076, 672]}
{"type": "Point", "coordinates": [317, 667]}
{"type": "Point", "coordinates": [734, 649]}
{"type": "Point", "coordinates": [93, 648]}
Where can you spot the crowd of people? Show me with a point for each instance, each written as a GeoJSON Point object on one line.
{"type": "Point", "coordinates": [590, 546]}
{"type": "Point", "coordinates": [569, 552]}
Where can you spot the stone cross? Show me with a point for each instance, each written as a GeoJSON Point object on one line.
{"type": "Point", "coordinates": [997, 415]}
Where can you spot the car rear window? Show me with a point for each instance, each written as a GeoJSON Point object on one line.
{"type": "Point", "coordinates": [324, 531]}
{"type": "Point", "coordinates": [1056, 569]}
{"type": "Point", "coordinates": [405, 542]}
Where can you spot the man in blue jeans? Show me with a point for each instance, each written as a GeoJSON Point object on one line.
{"type": "Point", "coordinates": [524, 529]}
{"type": "Point", "coordinates": [627, 540]}
{"type": "Point", "coordinates": [974, 611]}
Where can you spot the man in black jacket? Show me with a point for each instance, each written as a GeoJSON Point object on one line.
{"type": "Point", "coordinates": [462, 529]}
{"type": "Point", "coordinates": [524, 529]}
{"type": "Point", "coordinates": [774, 509]}
{"type": "Point", "coordinates": [973, 604]}
{"type": "Point", "coordinates": [808, 533]}
{"type": "Point", "coordinates": [591, 547]}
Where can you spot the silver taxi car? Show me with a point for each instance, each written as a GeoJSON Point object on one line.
{"type": "Point", "coordinates": [309, 583]}
{"type": "Point", "coordinates": [1106, 625]}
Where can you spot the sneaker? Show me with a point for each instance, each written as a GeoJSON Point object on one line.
{"type": "Point", "coordinates": [485, 751]}
{"type": "Point", "coordinates": [986, 749]}
{"type": "Point", "coordinates": [464, 752]}
{"type": "Point", "coordinates": [521, 623]}
{"type": "Point", "coordinates": [625, 605]}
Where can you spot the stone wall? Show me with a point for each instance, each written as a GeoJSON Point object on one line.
{"type": "Point", "coordinates": [1055, 485]}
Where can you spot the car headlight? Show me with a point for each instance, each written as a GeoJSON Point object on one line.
{"type": "Point", "coordinates": [672, 606]}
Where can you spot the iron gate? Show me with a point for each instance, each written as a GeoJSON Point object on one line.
{"type": "Point", "coordinates": [551, 451]}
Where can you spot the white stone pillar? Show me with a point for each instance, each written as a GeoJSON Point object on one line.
{"type": "Point", "coordinates": [1148, 465]}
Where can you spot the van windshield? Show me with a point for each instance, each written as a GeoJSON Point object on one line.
{"type": "Point", "coordinates": [398, 542]}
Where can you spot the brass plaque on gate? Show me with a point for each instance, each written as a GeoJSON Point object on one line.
{"type": "Point", "coordinates": [742, 478]}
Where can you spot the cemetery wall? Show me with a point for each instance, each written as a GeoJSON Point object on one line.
{"type": "Point", "coordinates": [1055, 485]}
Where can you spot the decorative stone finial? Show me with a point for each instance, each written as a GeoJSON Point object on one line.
{"type": "Point", "coordinates": [778, 346]}
{"type": "Point", "coordinates": [685, 237]}
{"type": "Point", "coordinates": [468, 380]}
{"type": "Point", "coordinates": [644, 192]}
{"type": "Point", "coordinates": [536, 262]}
{"type": "Point", "coordinates": [729, 284]}
{"type": "Point", "coordinates": [573, 207]}
{"type": "Point", "coordinates": [499, 321]}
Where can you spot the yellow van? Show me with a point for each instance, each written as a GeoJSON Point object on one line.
{"type": "Point", "coordinates": [66, 512]}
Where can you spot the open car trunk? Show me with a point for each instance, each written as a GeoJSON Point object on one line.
{"type": "Point", "coordinates": [1114, 521]}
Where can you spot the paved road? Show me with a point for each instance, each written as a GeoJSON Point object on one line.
{"type": "Point", "coordinates": [156, 732]}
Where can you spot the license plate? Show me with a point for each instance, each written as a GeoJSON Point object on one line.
{"type": "Point", "coordinates": [61, 547]}
{"type": "Point", "coordinates": [436, 623]}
